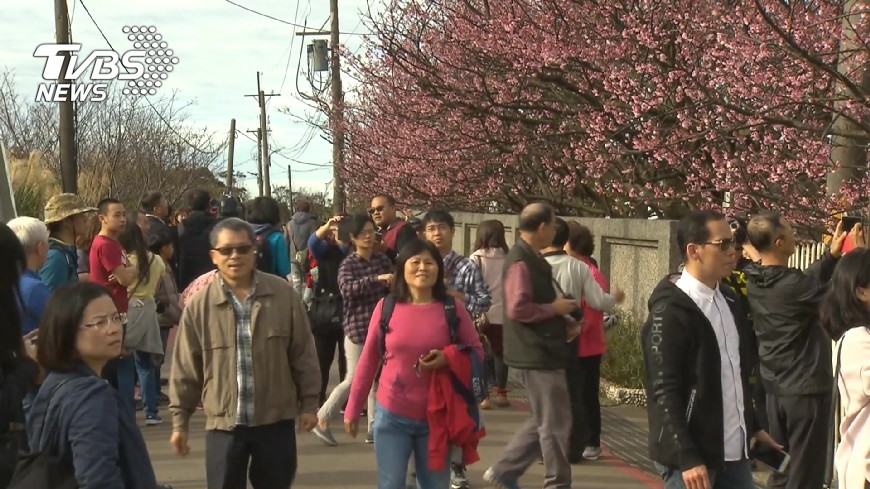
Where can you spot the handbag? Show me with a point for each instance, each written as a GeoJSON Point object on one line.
{"type": "Point", "coordinates": [41, 470]}
{"type": "Point", "coordinates": [324, 313]}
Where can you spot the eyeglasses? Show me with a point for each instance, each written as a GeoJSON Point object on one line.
{"type": "Point", "coordinates": [379, 208]}
{"type": "Point", "coordinates": [723, 244]}
{"type": "Point", "coordinates": [228, 250]}
{"type": "Point", "coordinates": [102, 322]}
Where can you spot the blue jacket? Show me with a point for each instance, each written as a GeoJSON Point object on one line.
{"type": "Point", "coordinates": [61, 267]}
{"type": "Point", "coordinates": [95, 431]}
{"type": "Point", "coordinates": [278, 248]}
{"type": "Point", "coordinates": [34, 295]}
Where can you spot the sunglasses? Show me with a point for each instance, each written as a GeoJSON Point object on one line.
{"type": "Point", "coordinates": [379, 208]}
{"type": "Point", "coordinates": [723, 244]}
{"type": "Point", "coordinates": [228, 250]}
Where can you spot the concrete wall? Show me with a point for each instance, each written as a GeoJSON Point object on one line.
{"type": "Point", "coordinates": [634, 254]}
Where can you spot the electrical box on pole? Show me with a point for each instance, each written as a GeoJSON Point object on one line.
{"type": "Point", "coordinates": [318, 56]}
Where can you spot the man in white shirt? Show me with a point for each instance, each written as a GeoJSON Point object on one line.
{"type": "Point", "coordinates": [576, 280]}
{"type": "Point", "coordinates": [696, 344]}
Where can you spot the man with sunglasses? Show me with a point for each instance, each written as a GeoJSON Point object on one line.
{"type": "Point", "coordinates": [244, 348]}
{"type": "Point", "coordinates": [392, 232]}
{"type": "Point", "coordinates": [794, 352]}
{"type": "Point", "coordinates": [696, 346]}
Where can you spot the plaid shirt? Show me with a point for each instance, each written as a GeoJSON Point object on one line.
{"type": "Point", "coordinates": [463, 275]}
{"type": "Point", "coordinates": [360, 291]}
{"type": "Point", "coordinates": [244, 349]}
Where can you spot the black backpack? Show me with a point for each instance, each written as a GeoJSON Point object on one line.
{"type": "Point", "coordinates": [264, 251]}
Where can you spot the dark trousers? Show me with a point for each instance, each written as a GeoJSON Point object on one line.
{"type": "Point", "coordinates": [264, 454]}
{"type": "Point", "coordinates": [164, 337]}
{"type": "Point", "coordinates": [800, 424]}
{"type": "Point", "coordinates": [326, 344]}
{"type": "Point", "coordinates": [584, 377]}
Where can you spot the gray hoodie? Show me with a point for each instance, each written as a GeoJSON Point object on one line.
{"type": "Point", "coordinates": [302, 226]}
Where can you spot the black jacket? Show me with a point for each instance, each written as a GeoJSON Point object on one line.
{"type": "Point", "coordinates": [683, 382]}
{"type": "Point", "coordinates": [193, 254]}
{"type": "Point", "coordinates": [794, 352]}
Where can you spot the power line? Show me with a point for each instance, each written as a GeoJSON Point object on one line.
{"type": "Point", "coordinates": [262, 14]}
{"type": "Point", "coordinates": [157, 112]}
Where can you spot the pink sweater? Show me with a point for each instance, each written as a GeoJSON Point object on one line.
{"type": "Point", "coordinates": [853, 453]}
{"type": "Point", "coordinates": [414, 330]}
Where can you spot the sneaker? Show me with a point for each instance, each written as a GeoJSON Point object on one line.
{"type": "Point", "coordinates": [592, 453]}
{"type": "Point", "coordinates": [152, 420]}
{"type": "Point", "coordinates": [162, 399]}
{"type": "Point", "coordinates": [498, 481]}
{"type": "Point", "coordinates": [325, 436]}
{"type": "Point", "coordinates": [485, 404]}
{"type": "Point", "coordinates": [458, 480]}
{"type": "Point", "coordinates": [140, 406]}
{"type": "Point", "coordinates": [370, 437]}
{"type": "Point", "coordinates": [502, 401]}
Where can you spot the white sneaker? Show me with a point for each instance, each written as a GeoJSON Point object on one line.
{"type": "Point", "coordinates": [592, 453]}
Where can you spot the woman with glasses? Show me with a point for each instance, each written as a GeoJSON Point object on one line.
{"type": "Point", "coordinates": [846, 318]}
{"type": "Point", "coordinates": [364, 278]}
{"type": "Point", "coordinates": [418, 333]}
{"type": "Point", "coordinates": [77, 416]}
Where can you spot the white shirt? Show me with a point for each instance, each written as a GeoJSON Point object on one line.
{"type": "Point", "coordinates": [714, 306]}
{"type": "Point", "coordinates": [575, 278]}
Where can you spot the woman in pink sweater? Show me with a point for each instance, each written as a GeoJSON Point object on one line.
{"type": "Point", "coordinates": [846, 318]}
{"type": "Point", "coordinates": [418, 332]}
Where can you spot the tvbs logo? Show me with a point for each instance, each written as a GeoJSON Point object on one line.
{"type": "Point", "coordinates": [144, 68]}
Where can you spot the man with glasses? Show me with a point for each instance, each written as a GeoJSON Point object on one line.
{"type": "Point", "coordinates": [795, 354]}
{"type": "Point", "coordinates": [393, 232]}
{"type": "Point", "coordinates": [696, 346]}
{"type": "Point", "coordinates": [245, 349]}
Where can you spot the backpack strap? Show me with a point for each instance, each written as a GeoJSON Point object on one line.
{"type": "Point", "coordinates": [386, 314]}
{"type": "Point", "coordinates": [452, 318]}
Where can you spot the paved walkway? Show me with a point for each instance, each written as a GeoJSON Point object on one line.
{"type": "Point", "coordinates": [352, 464]}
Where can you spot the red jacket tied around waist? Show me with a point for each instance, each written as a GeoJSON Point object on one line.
{"type": "Point", "coordinates": [452, 419]}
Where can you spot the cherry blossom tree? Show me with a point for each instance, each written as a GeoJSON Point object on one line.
{"type": "Point", "coordinates": [620, 108]}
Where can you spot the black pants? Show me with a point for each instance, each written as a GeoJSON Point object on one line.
{"type": "Point", "coordinates": [584, 376]}
{"type": "Point", "coordinates": [270, 449]}
{"type": "Point", "coordinates": [800, 424]}
{"type": "Point", "coordinates": [326, 344]}
{"type": "Point", "coordinates": [164, 338]}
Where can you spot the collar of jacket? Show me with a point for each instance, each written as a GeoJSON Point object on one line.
{"type": "Point", "coordinates": [261, 288]}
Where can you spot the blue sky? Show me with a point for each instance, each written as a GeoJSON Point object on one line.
{"type": "Point", "coordinates": [220, 49]}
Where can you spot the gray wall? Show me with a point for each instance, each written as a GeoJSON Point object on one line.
{"type": "Point", "coordinates": [634, 254]}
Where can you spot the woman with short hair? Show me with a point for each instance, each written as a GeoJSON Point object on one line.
{"type": "Point", "coordinates": [77, 416]}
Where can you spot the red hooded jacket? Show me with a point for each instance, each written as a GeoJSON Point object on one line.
{"type": "Point", "coordinates": [448, 412]}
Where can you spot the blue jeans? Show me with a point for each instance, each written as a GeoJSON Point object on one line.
{"type": "Point", "coordinates": [148, 381]}
{"type": "Point", "coordinates": [127, 381]}
{"type": "Point", "coordinates": [396, 439]}
{"type": "Point", "coordinates": [735, 475]}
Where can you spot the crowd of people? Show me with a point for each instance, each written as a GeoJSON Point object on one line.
{"type": "Point", "coordinates": [736, 345]}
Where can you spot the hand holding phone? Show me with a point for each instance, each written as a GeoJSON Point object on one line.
{"type": "Point", "coordinates": [766, 454]}
{"type": "Point", "coordinates": [849, 222]}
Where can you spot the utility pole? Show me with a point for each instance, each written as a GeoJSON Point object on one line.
{"type": "Point", "coordinates": [232, 147]}
{"type": "Point", "coordinates": [290, 186]}
{"type": "Point", "coordinates": [259, 162]}
{"type": "Point", "coordinates": [338, 202]}
{"type": "Point", "coordinates": [263, 139]}
{"type": "Point", "coordinates": [67, 131]}
{"type": "Point", "coordinates": [337, 116]}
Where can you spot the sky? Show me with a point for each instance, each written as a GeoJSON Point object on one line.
{"type": "Point", "coordinates": [220, 48]}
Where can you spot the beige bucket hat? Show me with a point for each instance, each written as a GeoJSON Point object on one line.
{"type": "Point", "coordinates": [62, 206]}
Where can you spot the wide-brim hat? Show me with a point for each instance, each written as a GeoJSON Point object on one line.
{"type": "Point", "coordinates": [62, 206]}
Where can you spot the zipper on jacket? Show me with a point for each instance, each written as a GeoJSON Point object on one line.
{"type": "Point", "coordinates": [691, 405]}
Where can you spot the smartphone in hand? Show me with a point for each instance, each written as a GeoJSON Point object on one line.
{"type": "Point", "coordinates": [849, 222]}
{"type": "Point", "coordinates": [767, 455]}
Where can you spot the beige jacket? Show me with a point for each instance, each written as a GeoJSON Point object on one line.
{"type": "Point", "coordinates": [853, 454]}
{"type": "Point", "coordinates": [286, 370]}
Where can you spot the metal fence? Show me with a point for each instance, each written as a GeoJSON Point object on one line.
{"type": "Point", "coordinates": [806, 254]}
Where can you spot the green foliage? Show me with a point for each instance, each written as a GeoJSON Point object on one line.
{"type": "Point", "coordinates": [29, 200]}
{"type": "Point", "coordinates": [623, 362]}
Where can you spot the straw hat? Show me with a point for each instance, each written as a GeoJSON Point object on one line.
{"type": "Point", "coordinates": [62, 206]}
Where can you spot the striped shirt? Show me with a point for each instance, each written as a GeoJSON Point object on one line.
{"type": "Point", "coordinates": [463, 275]}
{"type": "Point", "coordinates": [360, 291]}
{"type": "Point", "coordinates": [244, 349]}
